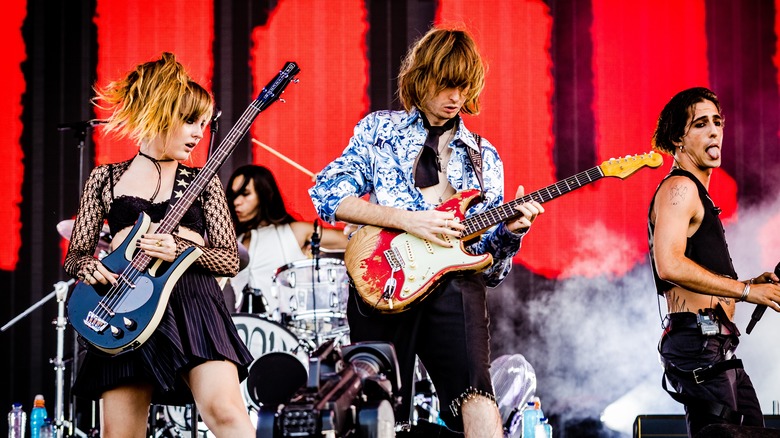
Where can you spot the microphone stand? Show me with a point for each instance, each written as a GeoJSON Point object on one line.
{"type": "Point", "coordinates": [80, 130]}
{"type": "Point", "coordinates": [315, 275]}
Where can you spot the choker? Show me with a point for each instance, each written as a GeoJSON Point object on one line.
{"type": "Point", "coordinates": [159, 172]}
{"type": "Point", "coordinates": [152, 159]}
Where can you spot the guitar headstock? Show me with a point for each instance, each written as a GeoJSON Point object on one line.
{"type": "Point", "coordinates": [273, 91]}
{"type": "Point", "coordinates": [626, 166]}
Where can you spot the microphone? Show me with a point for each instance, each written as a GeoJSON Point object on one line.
{"type": "Point", "coordinates": [214, 124]}
{"type": "Point", "coordinates": [214, 129]}
{"type": "Point", "coordinates": [760, 309]}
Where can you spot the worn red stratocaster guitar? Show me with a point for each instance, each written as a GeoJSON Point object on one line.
{"type": "Point", "coordinates": [122, 317]}
{"type": "Point", "coordinates": [392, 269]}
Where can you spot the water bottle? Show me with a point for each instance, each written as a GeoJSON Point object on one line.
{"type": "Point", "coordinates": [543, 429]}
{"type": "Point", "coordinates": [47, 429]}
{"type": "Point", "coordinates": [17, 421]}
{"type": "Point", "coordinates": [37, 415]}
{"type": "Point", "coordinates": [531, 416]}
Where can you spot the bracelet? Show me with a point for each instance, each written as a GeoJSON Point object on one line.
{"type": "Point", "coordinates": [746, 291]}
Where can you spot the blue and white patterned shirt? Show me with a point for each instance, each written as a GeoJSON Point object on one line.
{"type": "Point", "coordinates": [379, 160]}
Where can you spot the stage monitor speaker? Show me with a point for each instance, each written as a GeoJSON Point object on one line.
{"type": "Point", "coordinates": [673, 426]}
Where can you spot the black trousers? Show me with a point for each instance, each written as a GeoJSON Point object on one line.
{"type": "Point", "coordinates": [688, 349]}
{"type": "Point", "coordinates": [449, 332]}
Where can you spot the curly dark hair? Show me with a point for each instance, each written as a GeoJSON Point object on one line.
{"type": "Point", "coordinates": [673, 121]}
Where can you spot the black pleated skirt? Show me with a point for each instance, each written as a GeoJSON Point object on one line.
{"type": "Point", "coordinates": [196, 327]}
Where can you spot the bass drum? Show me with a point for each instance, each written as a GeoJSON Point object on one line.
{"type": "Point", "coordinates": [262, 337]}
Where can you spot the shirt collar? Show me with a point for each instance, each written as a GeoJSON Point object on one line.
{"type": "Point", "coordinates": [462, 135]}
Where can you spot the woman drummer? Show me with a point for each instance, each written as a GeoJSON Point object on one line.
{"type": "Point", "coordinates": [272, 236]}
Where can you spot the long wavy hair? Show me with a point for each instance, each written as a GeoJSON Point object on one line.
{"type": "Point", "coordinates": [154, 99]}
{"type": "Point", "coordinates": [441, 59]}
{"type": "Point", "coordinates": [270, 205]}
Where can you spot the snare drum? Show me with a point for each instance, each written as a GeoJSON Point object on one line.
{"type": "Point", "coordinates": [314, 300]}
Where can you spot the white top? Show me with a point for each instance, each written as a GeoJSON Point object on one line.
{"type": "Point", "coordinates": [270, 248]}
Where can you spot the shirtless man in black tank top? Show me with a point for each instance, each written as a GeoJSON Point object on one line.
{"type": "Point", "coordinates": [693, 271]}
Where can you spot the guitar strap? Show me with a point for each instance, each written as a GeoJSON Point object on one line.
{"type": "Point", "coordinates": [184, 177]}
{"type": "Point", "coordinates": [476, 162]}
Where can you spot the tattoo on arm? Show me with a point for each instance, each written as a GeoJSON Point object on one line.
{"type": "Point", "coordinates": [677, 193]}
{"type": "Point", "coordinates": [725, 301]}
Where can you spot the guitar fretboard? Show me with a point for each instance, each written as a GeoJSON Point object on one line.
{"type": "Point", "coordinates": [487, 219]}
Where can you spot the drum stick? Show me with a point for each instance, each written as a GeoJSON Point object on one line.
{"type": "Point", "coordinates": [288, 160]}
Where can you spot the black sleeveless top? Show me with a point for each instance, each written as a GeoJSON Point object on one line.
{"type": "Point", "coordinates": [125, 210]}
{"type": "Point", "coordinates": [707, 247]}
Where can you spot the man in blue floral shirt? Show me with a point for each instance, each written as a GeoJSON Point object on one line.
{"type": "Point", "coordinates": [408, 162]}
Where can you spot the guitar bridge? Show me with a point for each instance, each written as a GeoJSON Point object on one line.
{"type": "Point", "coordinates": [394, 258]}
{"type": "Point", "coordinates": [95, 322]}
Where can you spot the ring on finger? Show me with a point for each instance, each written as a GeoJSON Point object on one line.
{"type": "Point", "coordinates": [446, 223]}
{"type": "Point", "coordinates": [158, 244]}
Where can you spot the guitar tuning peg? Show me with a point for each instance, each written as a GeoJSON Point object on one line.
{"type": "Point", "coordinates": [282, 100]}
{"type": "Point", "coordinates": [296, 80]}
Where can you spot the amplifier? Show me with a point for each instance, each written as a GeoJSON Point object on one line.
{"type": "Point", "coordinates": [673, 426]}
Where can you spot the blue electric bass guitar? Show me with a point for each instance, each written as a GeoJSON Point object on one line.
{"type": "Point", "coordinates": [121, 317]}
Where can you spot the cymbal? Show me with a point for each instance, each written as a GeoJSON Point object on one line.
{"type": "Point", "coordinates": [65, 228]}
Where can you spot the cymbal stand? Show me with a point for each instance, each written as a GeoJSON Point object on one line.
{"type": "Point", "coordinates": [61, 292]}
{"type": "Point", "coordinates": [61, 289]}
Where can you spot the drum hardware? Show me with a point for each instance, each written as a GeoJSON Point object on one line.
{"type": "Point", "coordinates": [315, 252]}
{"type": "Point", "coordinates": [171, 421]}
{"type": "Point", "coordinates": [60, 292]}
{"type": "Point", "coordinates": [161, 425]}
{"type": "Point", "coordinates": [252, 294]}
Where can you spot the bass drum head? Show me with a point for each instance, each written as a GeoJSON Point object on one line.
{"type": "Point", "coordinates": [263, 336]}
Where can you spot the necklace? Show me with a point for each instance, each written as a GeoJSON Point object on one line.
{"type": "Point", "coordinates": [159, 172]}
